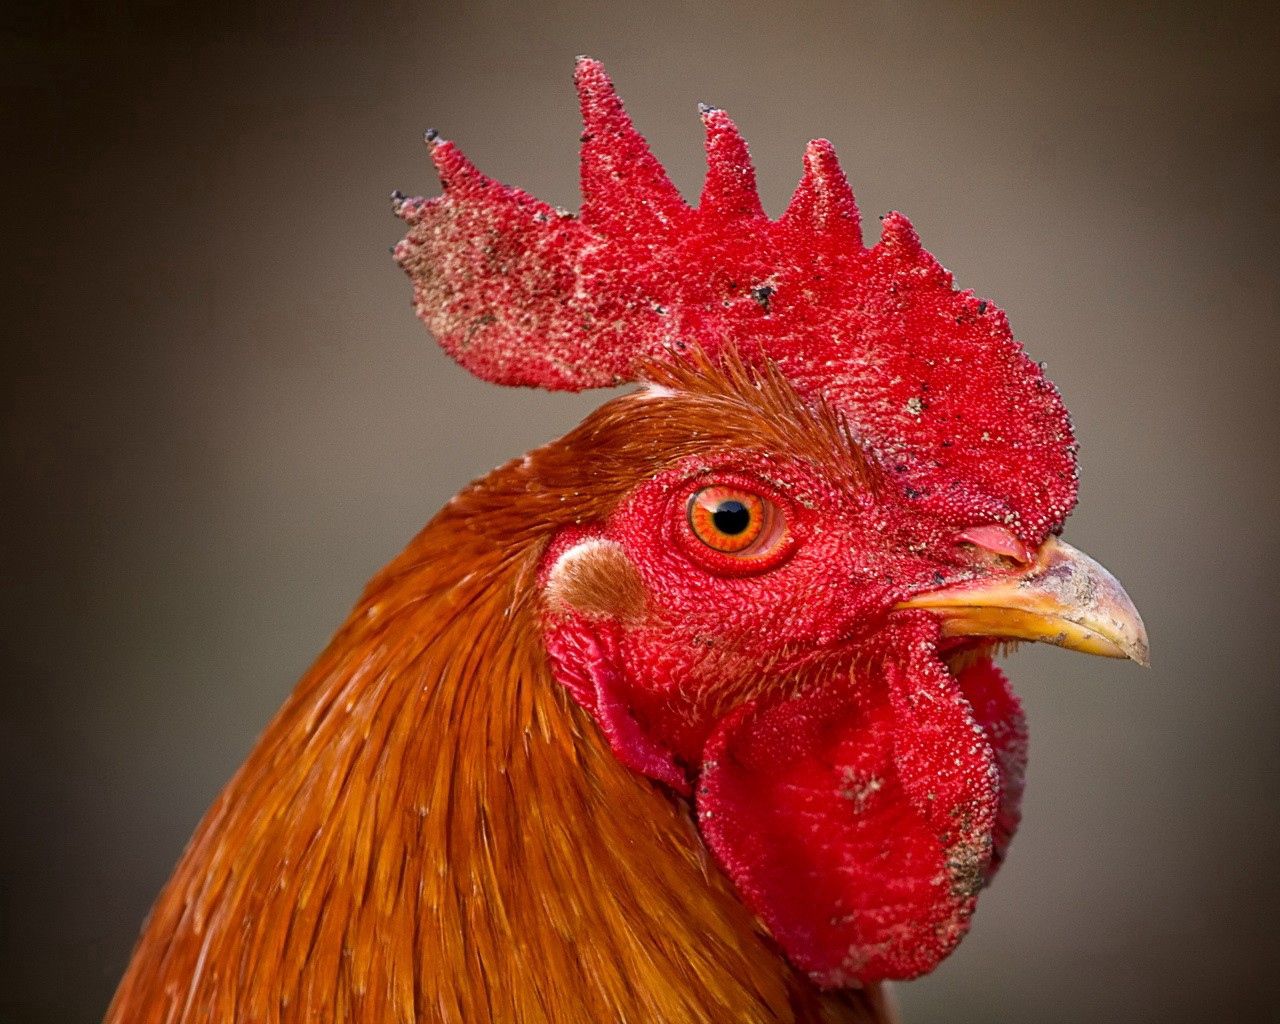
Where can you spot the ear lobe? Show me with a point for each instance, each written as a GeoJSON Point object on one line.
{"type": "Point", "coordinates": [595, 578]}
{"type": "Point", "coordinates": [592, 592]}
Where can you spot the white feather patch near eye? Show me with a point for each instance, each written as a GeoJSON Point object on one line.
{"type": "Point", "coordinates": [596, 578]}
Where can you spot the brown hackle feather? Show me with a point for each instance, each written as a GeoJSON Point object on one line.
{"type": "Point", "coordinates": [430, 829]}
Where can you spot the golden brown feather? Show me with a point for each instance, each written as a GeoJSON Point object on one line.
{"type": "Point", "coordinates": [430, 830]}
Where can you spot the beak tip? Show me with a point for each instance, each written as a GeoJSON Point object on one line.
{"type": "Point", "coordinates": [1139, 648]}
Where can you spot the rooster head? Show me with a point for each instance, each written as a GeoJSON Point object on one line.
{"type": "Point", "coordinates": [837, 493]}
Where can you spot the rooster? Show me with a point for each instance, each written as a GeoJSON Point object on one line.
{"type": "Point", "coordinates": [690, 715]}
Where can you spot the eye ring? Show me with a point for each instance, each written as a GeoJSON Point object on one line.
{"type": "Point", "coordinates": [765, 541]}
{"type": "Point", "coordinates": [728, 519]}
{"type": "Point", "coordinates": [754, 532]}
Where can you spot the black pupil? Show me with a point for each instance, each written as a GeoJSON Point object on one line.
{"type": "Point", "coordinates": [731, 517]}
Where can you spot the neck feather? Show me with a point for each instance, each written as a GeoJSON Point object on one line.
{"type": "Point", "coordinates": [429, 830]}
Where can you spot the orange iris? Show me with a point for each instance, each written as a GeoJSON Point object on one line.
{"type": "Point", "coordinates": [727, 519]}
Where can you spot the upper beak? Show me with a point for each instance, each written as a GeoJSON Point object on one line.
{"type": "Point", "coordinates": [1062, 597]}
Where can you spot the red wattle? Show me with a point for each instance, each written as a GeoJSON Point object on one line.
{"type": "Point", "coordinates": [998, 710]}
{"type": "Point", "coordinates": [856, 819]}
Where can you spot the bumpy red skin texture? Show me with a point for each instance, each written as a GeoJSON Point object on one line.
{"type": "Point", "coordinates": [997, 709]}
{"type": "Point", "coordinates": [856, 792]}
{"type": "Point", "coordinates": [850, 818]}
{"type": "Point", "coordinates": [931, 377]}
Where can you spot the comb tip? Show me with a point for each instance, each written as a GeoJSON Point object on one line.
{"type": "Point", "coordinates": [456, 172]}
{"type": "Point", "coordinates": [818, 150]}
{"type": "Point", "coordinates": [588, 72]}
{"type": "Point", "coordinates": [730, 184]}
{"type": "Point", "coordinates": [597, 97]}
{"type": "Point", "coordinates": [900, 242]}
{"type": "Point", "coordinates": [408, 208]}
{"type": "Point", "coordinates": [823, 204]}
{"type": "Point", "coordinates": [897, 231]}
{"type": "Point", "coordinates": [622, 181]}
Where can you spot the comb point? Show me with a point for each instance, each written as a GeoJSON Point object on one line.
{"type": "Point", "coordinates": [898, 238]}
{"type": "Point", "coordinates": [457, 173]}
{"type": "Point", "coordinates": [729, 190]}
{"type": "Point", "coordinates": [823, 204]}
{"type": "Point", "coordinates": [625, 189]}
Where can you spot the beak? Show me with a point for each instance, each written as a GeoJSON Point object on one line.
{"type": "Point", "coordinates": [1063, 597]}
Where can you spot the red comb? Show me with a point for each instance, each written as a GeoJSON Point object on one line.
{"type": "Point", "coordinates": [930, 378]}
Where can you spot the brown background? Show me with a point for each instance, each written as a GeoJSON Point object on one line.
{"type": "Point", "coordinates": [220, 416]}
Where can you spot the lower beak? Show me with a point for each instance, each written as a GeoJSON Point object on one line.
{"type": "Point", "coordinates": [1064, 597]}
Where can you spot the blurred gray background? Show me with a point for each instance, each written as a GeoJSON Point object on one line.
{"type": "Point", "coordinates": [220, 416]}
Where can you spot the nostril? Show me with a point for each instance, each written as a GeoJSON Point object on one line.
{"type": "Point", "coordinates": [997, 540]}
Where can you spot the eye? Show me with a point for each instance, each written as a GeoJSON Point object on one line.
{"type": "Point", "coordinates": [736, 526]}
{"type": "Point", "coordinates": [733, 521]}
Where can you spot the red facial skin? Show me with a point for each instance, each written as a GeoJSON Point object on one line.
{"type": "Point", "coordinates": [850, 785]}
